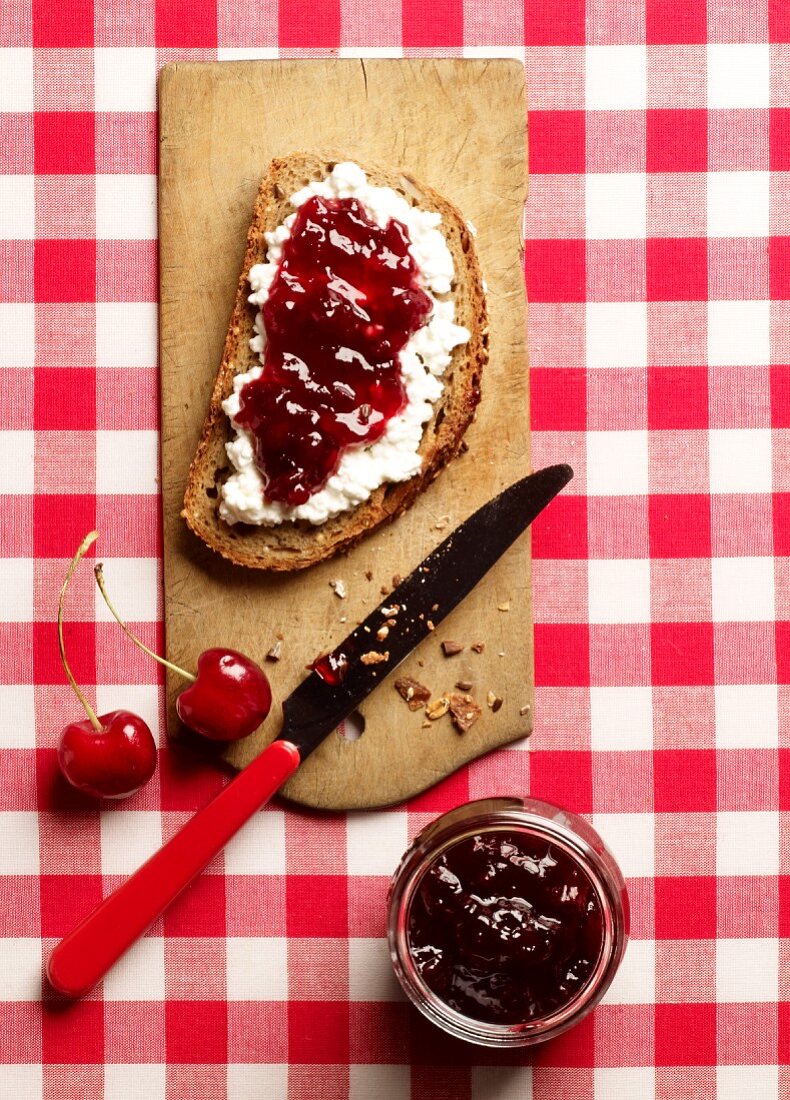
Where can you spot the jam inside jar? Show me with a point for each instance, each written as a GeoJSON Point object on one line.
{"type": "Point", "coordinates": [508, 920]}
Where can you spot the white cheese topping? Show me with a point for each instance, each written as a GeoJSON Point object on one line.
{"type": "Point", "coordinates": [395, 455]}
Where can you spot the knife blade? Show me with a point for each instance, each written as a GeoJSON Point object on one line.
{"type": "Point", "coordinates": [341, 680]}
{"type": "Point", "coordinates": [330, 693]}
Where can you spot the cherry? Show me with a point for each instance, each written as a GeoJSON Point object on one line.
{"type": "Point", "coordinates": [110, 756]}
{"type": "Point", "coordinates": [227, 699]}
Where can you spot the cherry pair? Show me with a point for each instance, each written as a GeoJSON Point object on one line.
{"type": "Point", "coordinates": [112, 755]}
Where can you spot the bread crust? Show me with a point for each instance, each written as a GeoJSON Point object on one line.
{"type": "Point", "coordinates": [297, 545]}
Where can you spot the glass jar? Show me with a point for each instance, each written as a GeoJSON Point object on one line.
{"type": "Point", "coordinates": [574, 842]}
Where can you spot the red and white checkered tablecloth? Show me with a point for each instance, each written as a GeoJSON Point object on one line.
{"type": "Point", "coordinates": [658, 267]}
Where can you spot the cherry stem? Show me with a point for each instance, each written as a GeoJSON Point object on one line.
{"type": "Point", "coordinates": [86, 543]}
{"type": "Point", "coordinates": [98, 573]}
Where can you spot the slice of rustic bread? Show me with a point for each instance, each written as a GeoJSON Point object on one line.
{"type": "Point", "coordinates": [292, 545]}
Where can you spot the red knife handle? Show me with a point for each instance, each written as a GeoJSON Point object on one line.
{"type": "Point", "coordinates": [83, 957]}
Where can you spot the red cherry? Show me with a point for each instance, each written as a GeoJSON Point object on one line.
{"type": "Point", "coordinates": [229, 698]}
{"type": "Point", "coordinates": [111, 762]}
{"type": "Point", "coordinates": [111, 756]}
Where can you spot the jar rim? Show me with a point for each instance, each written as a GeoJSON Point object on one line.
{"type": "Point", "coordinates": [605, 879]}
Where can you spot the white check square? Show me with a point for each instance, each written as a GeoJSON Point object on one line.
{"type": "Point", "coordinates": [382, 1082]}
{"type": "Point", "coordinates": [615, 205]}
{"type": "Point", "coordinates": [258, 848]}
{"type": "Point", "coordinates": [743, 589]}
{"type": "Point", "coordinates": [624, 1083]}
{"type": "Point", "coordinates": [370, 973]}
{"type": "Point", "coordinates": [747, 970]}
{"type": "Point", "coordinates": [126, 334]}
{"type": "Point", "coordinates": [740, 460]}
{"type": "Point", "coordinates": [16, 462]}
{"type": "Point", "coordinates": [16, 592]}
{"type": "Point", "coordinates": [128, 838]}
{"type": "Point", "coordinates": [501, 1083]}
{"type": "Point", "coordinates": [127, 462]}
{"type": "Point", "coordinates": [376, 842]}
{"type": "Point", "coordinates": [17, 334]}
{"type": "Point", "coordinates": [631, 838]}
{"type": "Point", "coordinates": [139, 975]}
{"type": "Point", "coordinates": [747, 842]}
{"type": "Point", "coordinates": [616, 78]}
{"type": "Point", "coordinates": [738, 75]}
{"type": "Point", "coordinates": [738, 204]}
{"type": "Point", "coordinates": [747, 716]}
{"type": "Point", "coordinates": [621, 719]}
{"type": "Point", "coordinates": [19, 842]}
{"type": "Point", "coordinates": [142, 699]}
{"type": "Point", "coordinates": [125, 78]}
{"type": "Point", "coordinates": [756, 1082]}
{"type": "Point", "coordinates": [17, 208]}
{"type": "Point", "coordinates": [257, 968]}
{"type": "Point", "coordinates": [16, 87]}
{"type": "Point", "coordinates": [18, 1081]}
{"type": "Point", "coordinates": [616, 334]}
{"type": "Point", "coordinates": [136, 582]}
{"type": "Point", "coordinates": [635, 981]}
{"type": "Point", "coordinates": [20, 967]}
{"type": "Point", "coordinates": [126, 208]}
{"type": "Point", "coordinates": [136, 1081]}
{"type": "Point", "coordinates": [617, 463]}
{"type": "Point", "coordinates": [739, 334]}
{"type": "Point", "coordinates": [17, 717]}
{"type": "Point", "coordinates": [619, 591]}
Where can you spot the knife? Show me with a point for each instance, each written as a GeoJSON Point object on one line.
{"type": "Point", "coordinates": [338, 683]}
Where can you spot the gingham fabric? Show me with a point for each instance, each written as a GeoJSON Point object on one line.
{"type": "Point", "coordinates": [658, 270]}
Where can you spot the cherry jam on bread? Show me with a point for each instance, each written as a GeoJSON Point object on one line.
{"type": "Point", "coordinates": [344, 302]}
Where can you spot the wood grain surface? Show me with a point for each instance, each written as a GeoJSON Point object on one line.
{"type": "Point", "coordinates": [460, 126]}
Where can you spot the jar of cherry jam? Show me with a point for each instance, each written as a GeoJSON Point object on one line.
{"type": "Point", "coordinates": [508, 919]}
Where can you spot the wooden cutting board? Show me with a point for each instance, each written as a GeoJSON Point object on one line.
{"type": "Point", "coordinates": [459, 126]}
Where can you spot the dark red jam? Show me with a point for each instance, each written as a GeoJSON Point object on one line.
{"type": "Point", "coordinates": [344, 302]}
{"type": "Point", "coordinates": [505, 927]}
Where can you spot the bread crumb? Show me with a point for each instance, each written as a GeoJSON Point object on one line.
{"type": "Point", "coordinates": [450, 648]}
{"type": "Point", "coordinates": [441, 523]}
{"type": "Point", "coordinates": [388, 612]}
{"type": "Point", "coordinates": [385, 590]}
{"type": "Point", "coordinates": [339, 588]}
{"type": "Point", "coordinates": [478, 647]}
{"type": "Point", "coordinates": [430, 625]}
{"type": "Point", "coordinates": [415, 693]}
{"type": "Point", "coordinates": [382, 632]}
{"type": "Point", "coordinates": [494, 702]}
{"type": "Point", "coordinates": [275, 652]}
{"type": "Point", "coordinates": [525, 709]}
{"type": "Point", "coordinates": [503, 606]}
{"type": "Point", "coordinates": [464, 710]}
{"type": "Point", "coordinates": [368, 575]}
{"type": "Point", "coordinates": [396, 579]}
{"type": "Point", "coordinates": [344, 618]}
{"type": "Point", "coordinates": [464, 685]}
{"type": "Point", "coordinates": [373, 657]}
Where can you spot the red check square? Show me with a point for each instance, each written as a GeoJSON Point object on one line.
{"type": "Point", "coordinates": [556, 270]}
{"type": "Point", "coordinates": [196, 1031]}
{"type": "Point", "coordinates": [668, 24]}
{"type": "Point", "coordinates": [184, 24]}
{"type": "Point", "coordinates": [562, 654]}
{"type": "Point", "coordinates": [65, 400]}
{"type": "Point", "coordinates": [679, 525]}
{"type": "Point", "coordinates": [318, 1032]}
{"type": "Point", "coordinates": [779, 266]}
{"type": "Point", "coordinates": [682, 653]}
{"type": "Point", "coordinates": [200, 910]}
{"type": "Point", "coordinates": [686, 1035]}
{"type": "Point", "coordinates": [684, 780]}
{"type": "Point", "coordinates": [65, 271]}
{"type": "Point", "coordinates": [558, 400]}
{"type": "Point", "coordinates": [779, 133]}
{"type": "Point", "coordinates": [64, 142]}
{"type": "Point", "coordinates": [561, 530]}
{"type": "Point", "coordinates": [303, 24]}
{"type": "Point", "coordinates": [564, 778]}
{"type": "Point", "coordinates": [316, 906]}
{"type": "Point", "coordinates": [780, 397]}
{"type": "Point", "coordinates": [553, 23]}
{"type": "Point", "coordinates": [68, 23]}
{"type": "Point", "coordinates": [445, 795]}
{"type": "Point", "coordinates": [685, 907]}
{"type": "Point", "coordinates": [677, 397]}
{"type": "Point", "coordinates": [80, 646]}
{"type": "Point", "coordinates": [72, 1033]}
{"type": "Point", "coordinates": [556, 142]}
{"type": "Point", "coordinates": [65, 900]}
{"type": "Point", "coordinates": [677, 269]}
{"type": "Point", "coordinates": [677, 140]}
{"type": "Point", "coordinates": [60, 521]}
